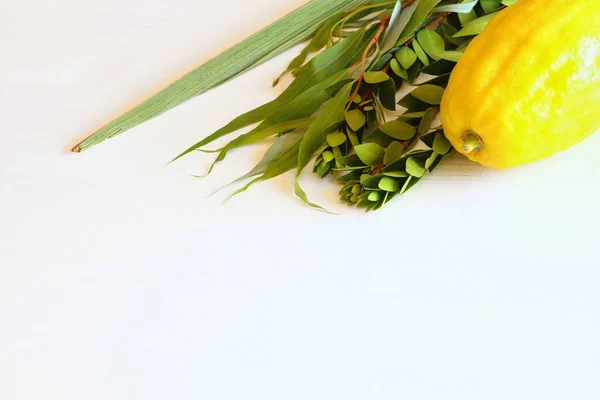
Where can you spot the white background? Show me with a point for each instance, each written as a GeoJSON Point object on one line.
{"type": "Point", "coordinates": [118, 280]}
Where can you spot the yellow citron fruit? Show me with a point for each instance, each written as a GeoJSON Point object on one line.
{"type": "Point", "coordinates": [528, 86]}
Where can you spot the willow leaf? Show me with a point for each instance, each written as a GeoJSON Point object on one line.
{"type": "Point", "coordinates": [316, 135]}
{"type": "Point", "coordinates": [262, 134]}
{"type": "Point", "coordinates": [320, 68]}
{"type": "Point", "coordinates": [285, 163]}
{"type": "Point", "coordinates": [463, 8]}
{"type": "Point", "coordinates": [301, 107]}
{"type": "Point", "coordinates": [394, 29]}
{"type": "Point", "coordinates": [277, 150]}
{"type": "Point", "coordinates": [318, 41]}
{"type": "Point", "coordinates": [422, 11]}
{"type": "Point", "coordinates": [476, 26]}
{"type": "Point", "coordinates": [277, 37]}
{"type": "Point", "coordinates": [398, 23]}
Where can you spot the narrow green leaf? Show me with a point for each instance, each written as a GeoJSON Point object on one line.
{"type": "Point", "coordinates": [262, 134]}
{"type": "Point", "coordinates": [422, 10]}
{"type": "Point", "coordinates": [476, 26]}
{"type": "Point", "coordinates": [301, 107]}
{"type": "Point", "coordinates": [412, 115]}
{"type": "Point", "coordinates": [318, 41]}
{"type": "Point", "coordinates": [398, 22]}
{"type": "Point", "coordinates": [450, 55]}
{"type": "Point", "coordinates": [396, 174]}
{"type": "Point", "coordinates": [435, 164]}
{"type": "Point", "coordinates": [286, 162]}
{"type": "Point", "coordinates": [336, 87]}
{"type": "Point", "coordinates": [353, 137]}
{"type": "Point", "coordinates": [315, 136]}
{"type": "Point", "coordinates": [408, 184]}
{"type": "Point", "coordinates": [468, 17]}
{"type": "Point", "coordinates": [426, 121]}
{"type": "Point", "coordinates": [304, 105]}
{"type": "Point", "coordinates": [463, 8]}
{"type": "Point", "coordinates": [421, 55]}
{"type": "Point", "coordinates": [370, 153]}
{"type": "Point", "coordinates": [298, 191]}
{"type": "Point", "coordinates": [277, 150]}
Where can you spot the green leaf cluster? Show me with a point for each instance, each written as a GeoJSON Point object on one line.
{"type": "Point", "coordinates": [358, 55]}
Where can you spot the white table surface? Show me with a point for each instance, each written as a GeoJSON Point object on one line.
{"type": "Point", "coordinates": [118, 280]}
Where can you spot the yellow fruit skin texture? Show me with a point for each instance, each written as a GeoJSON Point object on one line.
{"type": "Point", "coordinates": [529, 84]}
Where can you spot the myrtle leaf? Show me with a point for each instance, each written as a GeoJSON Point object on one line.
{"type": "Point", "coordinates": [441, 145]}
{"type": "Point", "coordinates": [397, 68]}
{"type": "Point", "coordinates": [399, 130]}
{"type": "Point", "coordinates": [374, 196]}
{"type": "Point", "coordinates": [336, 139]}
{"type": "Point", "coordinates": [406, 56]}
{"type": "Point", "coordinates": [370, 153]}
{"type": "Point", "coordinates": [426, 121]}
{"type": "Point", "coordinates": [431, 42]}
{"type": "Point", "coordinates": [415, 167]}
{"type": "Point", "coordinates": [429, 94]}
{"type": "Point", "coordinates": [389, 184]}
{"type": "Point", "coordinates": [374, 77]}
{"type": "Point", "coordinates": [387, 94]}
{"type": "Point", "coordinates": [432, 158]}
{"type": "Point", "coordinates": [393, 153]}
{"type": "Point", "coordinates": [355, 119]}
